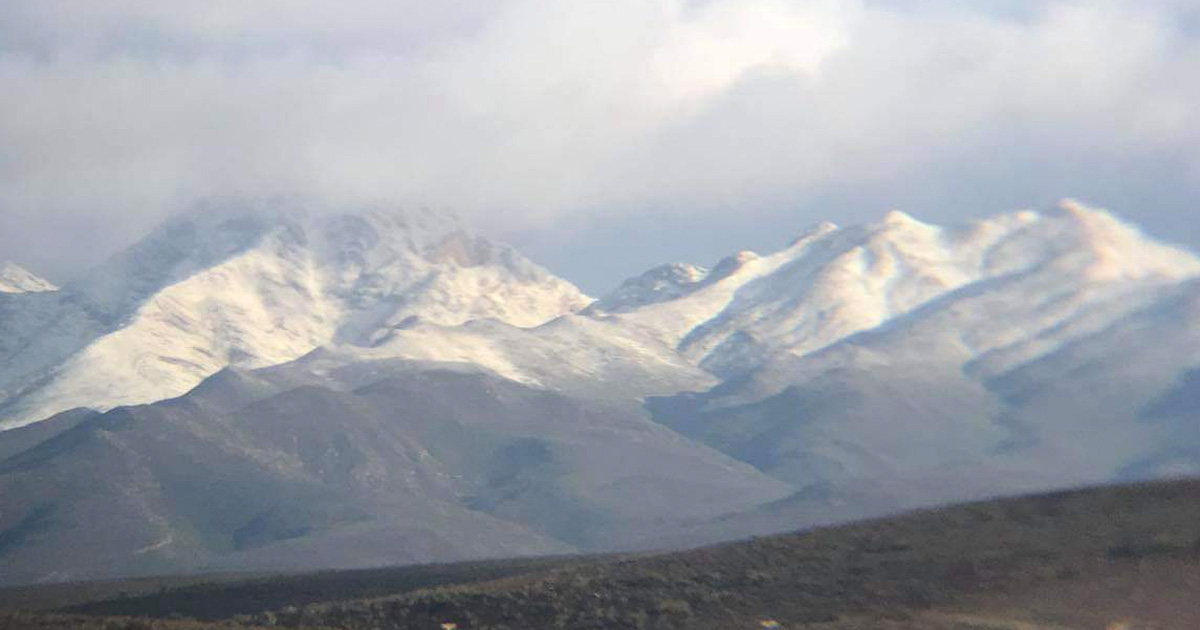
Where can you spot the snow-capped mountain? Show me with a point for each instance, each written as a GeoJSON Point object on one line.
{"type": "Point", "coordinates": [663, 283]}
{"type": "Point", "coordinates": [374, 378]}
{"type": "Point", "coordinates": [903, 364]}
{"type": "Point", "coordinates": [17, 279]}
{"type": "Point", "coordinates": [258, 287]}
{"type": "Point", "coordinates": [253, 288]}
{"type": "Point", "coordinates": [831, 282]}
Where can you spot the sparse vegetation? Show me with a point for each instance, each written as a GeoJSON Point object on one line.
{"type": "Point", "coordinates": [1053, 561]}
{"type": "Point", "coordinates": [222, 600]}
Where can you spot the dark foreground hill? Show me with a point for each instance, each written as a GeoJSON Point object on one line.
{"type": "Point", "coordinates": [1123, 557]}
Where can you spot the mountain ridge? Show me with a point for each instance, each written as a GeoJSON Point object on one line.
{"type": "Point", "coordinates": [16, 279]}
{"type": "Point", "coordinates": [254, 290]}
{"type": "Point", "coordinates": [855, 372]}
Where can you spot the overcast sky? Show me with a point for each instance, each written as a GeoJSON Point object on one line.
{"type": "Point", "coordinates": [599, 136]}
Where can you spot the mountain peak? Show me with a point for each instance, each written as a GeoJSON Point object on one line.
{"type": "Point", "coordinates": [16, 279]}
{"type": "Point", "coordinates": [902, 226]}
{"type": "Point", "coordinates": [260, 285]}
{"type": "Point", "coordinates": [1096, 222]}
{"type": "Point", "coordinates": [1079, 209]}
{"type": "Point", "coordinates": [898, 218]}
{"type": "Point", "coordinates": [813, 233]}
{"type": "Point", "coordinates": [730, 265]}
{"type": "Point", "coordinates": [825, 288]}
{"type": "Point", "coordinates": [660, 284]}
{"type": "Point", "coordinates": [1113, 249]}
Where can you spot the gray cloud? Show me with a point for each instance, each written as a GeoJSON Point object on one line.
{"type": "Point", "coordinates": [628, 131]}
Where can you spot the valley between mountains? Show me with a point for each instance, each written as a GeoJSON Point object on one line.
{"type": "Point", "coordinates": [257, 389]}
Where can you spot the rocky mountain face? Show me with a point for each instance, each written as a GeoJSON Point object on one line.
{"type": "Point", "coordinates": [264, 389]}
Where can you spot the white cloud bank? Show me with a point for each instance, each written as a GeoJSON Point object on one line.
{"type": "Point", "coordinates": [528, 114]}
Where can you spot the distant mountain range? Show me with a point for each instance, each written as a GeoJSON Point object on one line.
{"type": "Point", "coordinates": [265, 389]}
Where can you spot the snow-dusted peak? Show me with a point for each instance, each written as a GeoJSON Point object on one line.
{"type": "Point", "coordinates": [834, 282]}
{"type": "Point", "coordinates": [1110, 249]}
{"type": "Point", "coordinates": [266, 285]}
{"type": "Point", "coordinates": [662, 283]}
{"type": "Point", "coordinates": [731, 265]}
{"type": "Point", "coordinates": [896, 227]}
{"type": "Point", "coordinates": [387, 268]}
{"type": "Point", "coordinates": [897, 218]}
{"type": "Point", "coordinates": [814, 233]}
{"type": "Point", "coordinates": [17, 279]}
{"type": "Point", "coordinates": [260, 285]}
{"type": "Point", "coordinates": [1080, 211]}
{"type": "Point", "coordinates": [181, 247]}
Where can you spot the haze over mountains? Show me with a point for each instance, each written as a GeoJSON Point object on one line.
{"type": "Point", "coordinates": [260, 389]}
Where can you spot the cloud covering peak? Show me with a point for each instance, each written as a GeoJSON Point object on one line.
{"type": "Point", "coordinates": [527, 116]}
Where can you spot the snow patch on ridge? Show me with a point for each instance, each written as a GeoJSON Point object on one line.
{"type": "Point", "coordinates": [17, 279]}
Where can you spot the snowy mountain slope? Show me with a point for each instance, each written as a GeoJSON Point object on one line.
{"type": "Point", "coordinates": [388, 380]}
{"type": "Point", "coordinates": [1041, 373]}
{"type": "Point", "coordinates": [1067, 276]}
{"type": "Point", "coordinates": [260, 287]}
{"type": "Point", "coordinates": [854, 345]}
{"type": "Point", "coordinates": [16, 279]}
{"type": "Point", "coordinates": [253, 288]}
{"type": "Point", "coordinates": [888, 419]}
{"type": "Point", "coordinates": [37, 332]}
{"type": "Point", "coordinates": [573, 353]}
{"type": "Point", "coordinates": [36, 338]}
{"type": "Point", "coordinates": [831, 282]}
